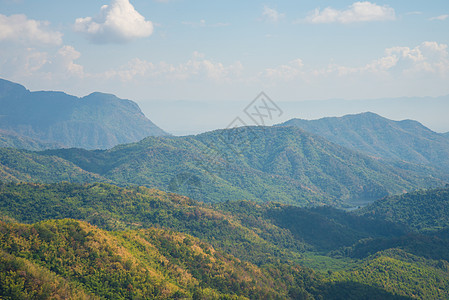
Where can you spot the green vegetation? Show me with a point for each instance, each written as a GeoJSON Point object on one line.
{"type": "Point", "coordinates": [22, 165]}
{"type": "Point", "coordinates": [265, 242]}
{"type": "Point", "coordinates": [114, 208]}
{"type": "Point", "coordinates": [282, 164]}
{"type": "Point", "coordinates": [22, 279]}
{"type": "Point", "coordinates": [72, 259]}
{"type": "Point", "coordinates": [321, 229]}
{"type": "Point", "coordinates": [89, 224]}
{"type": "Point", "coordinates": [425, 210]}
{"type": "Point", "coordinates": [380, 137]}
{"type": "Point", "coordinates": [431, 246]}
{"type": "Point", "coordinates": [401, 273]}
{"type": "Point", "coordinates": [260, 233]}
{"type": "Point", "coordinates": [13, 140]}
{"type": "Point", "coordinates": [150, 263]}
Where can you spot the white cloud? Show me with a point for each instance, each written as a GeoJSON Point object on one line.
{"type": "Point", "coordinates": [420, 69]}
{"type": "Point", "coordinates": [52, 65]}
{"type": "Point", "coordinates": [32, 50]}
{"type": "Point", "coordinates": [197, 67]}
{"type": "Point", "coordinates": [439, 18]}
{"type": "Point", "coordinates": [118, 22]}
{"type": "Point", "coordinates": [428, 57]}
{"type": "Point", "coordinates": [65, 58]}
{"type": "Point", "coordinates": [356, 12]}
{"type": "Point", "coordinates": [20, 29]}
{"type": "Point", "coordinates": [287, 72]}
{"type": "Point", "coordinates": [271, 15]}
{"type": "Point", "coordinates": [428, 61]}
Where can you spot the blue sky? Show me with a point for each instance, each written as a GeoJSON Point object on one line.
{"type": "Point", "coordinates": [227, 50]}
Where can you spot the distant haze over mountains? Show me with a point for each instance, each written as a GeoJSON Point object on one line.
{"type": "Point", "coordinates": [52, 119]}
{"type": "Point", "coordinates": [192, 117]}
{"type": "Point", "coordinates": [372, 134]}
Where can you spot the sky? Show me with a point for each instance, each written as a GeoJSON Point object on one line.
{"type": "Point", "coordinates": [198, 50]}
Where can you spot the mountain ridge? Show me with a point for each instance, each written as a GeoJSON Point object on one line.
{"type": "Point", "coordinates": [97, 120]}
{"type": "Point", "coordinates": [283, 164]}
{"type": "Point", "coordinates": [370, 133]}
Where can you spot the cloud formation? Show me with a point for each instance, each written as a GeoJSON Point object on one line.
{"type": "Point", "coordinates": [271, 15]}
{"type": "Point", "coordinates": [49, 66]}
{"type": "Point", "coordinates": [439, 18]}
{"type": "Point", "coordinates": [20, 29]}
{"type": "Point", "coordinates": [414, 70]}
{"type": "Point", "coordinates": [428, 57]}
{"type": "Point", "coordinates": [287, 72]}
{"type": "Point", "coordinates": [424, 59]}
{"type": "Point", "coordinates": [196, 67]}
{"type": "Point", "coordinates": [118, 22]}
{"type": "Point", "coordinates": [356, 12]}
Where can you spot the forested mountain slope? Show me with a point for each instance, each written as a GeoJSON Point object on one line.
{"type": "Point", "coordinates": [168, 246]}
{"type": "Point", "coordinates": [372, 134]}
{"type": "Point", "coordinates": [10, 139]}
{"type": "Point", "coordinates": [92, 122]}
{"type": "Point", "coordinates": [26, 166]}
{"type": "Point", "coordinates": [151, 264]}
{"type": "Point", "coordinates": [282, 164]}
{"type": "Point", "coordinates": [421, 210]}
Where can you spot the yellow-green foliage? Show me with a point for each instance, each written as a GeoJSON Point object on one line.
{"type": "Point", "coordinates": [114, 208]}
{"type": "Point", "coordinates": [147, 263]}
{"type": "Point", "coordinates": [23, 279]}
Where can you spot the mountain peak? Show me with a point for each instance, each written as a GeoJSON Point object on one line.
{"type": "Point", "coordinates": [366, 114]}
{"type": "Point", "coordinates": [405, 140]}
{"type": "Point", "coordinates": [10, 88]}
{"type": "Point", "coordinates": [100, 121]}
{"type": "Point", "coordinates": [101, 95]}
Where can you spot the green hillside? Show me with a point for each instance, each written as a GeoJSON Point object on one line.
{"type": "Point", "coordinates": [282, 164]}
{"type": "Point", "coordinates": [421, 210]}
{"type": "Point", "coordinates": [400, 273]}
{"type": "Point", "coordinates": [150, 263]}
{"type": "Point", "coordinates": [114, 208]}
{"type": "Point", "coordinates": [26, 166]}
{"type": "Point", "coordinates": [72, 259]}
{"type": "Point", "coordinates": [10, 139]}
{"type": "Point", "coordinates": [372, 134]}
{"type": "Point", "coordinates": [168, 246]}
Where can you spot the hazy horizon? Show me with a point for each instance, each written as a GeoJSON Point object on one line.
{"type": "Point", "coordinates": [184, 117]}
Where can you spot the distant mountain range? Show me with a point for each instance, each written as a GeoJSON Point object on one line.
{"type": "Point", "coordinates": [184, 117]}
{"type": "Point", "coordinates": [40, 120]}
{"type": "Point", "coordinates": [116, 223]}
{"type": "Point", "coordinates": [282, 164]}
{"type": "Point", "coordinates": [372, 134]}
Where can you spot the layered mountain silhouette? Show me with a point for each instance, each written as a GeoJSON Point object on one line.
{"type": "Point", "coordinates": [282, 164]}
{"type": "Point", "coordinates": [377, 136]}
{"type": "Point", "coordinates": [39, 120]}
{"type": "Point", "coordinates": [116, 223]}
